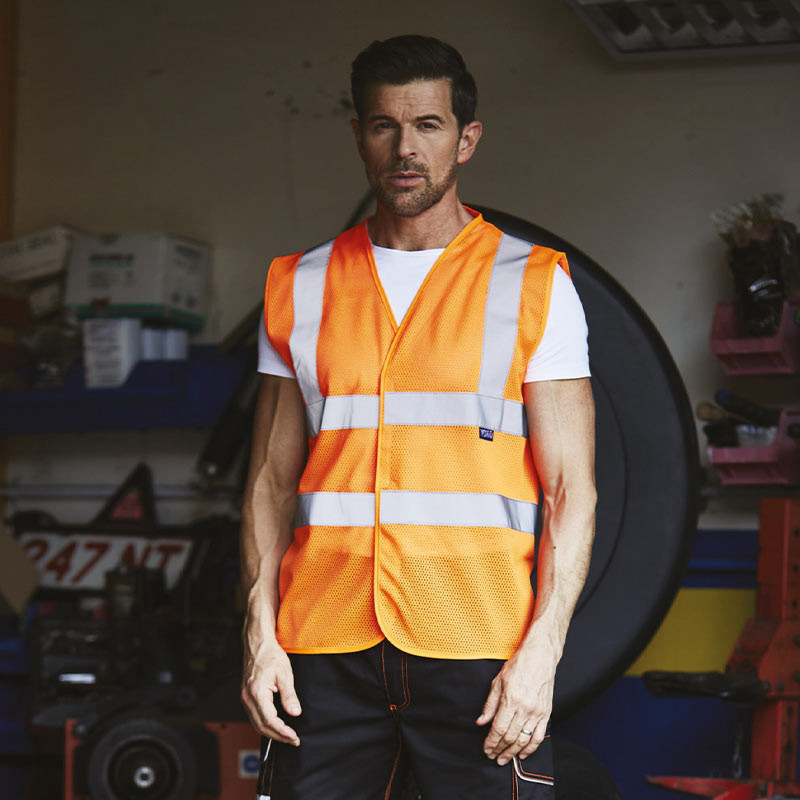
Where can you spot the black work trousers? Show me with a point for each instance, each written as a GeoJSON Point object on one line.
{"type": "Point", "coordinates": [370, 716]}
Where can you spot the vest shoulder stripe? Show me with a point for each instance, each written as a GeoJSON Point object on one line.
{"type": "Point", "coordinates": [502, 314]}
{"type": "Point", "coordinates": [307, 293]}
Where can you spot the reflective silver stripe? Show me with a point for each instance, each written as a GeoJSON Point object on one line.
{"type": "Point", "coordinates": [418, 408]}
{"type": "Point", "coordinates": [343, 411]}
{"type": "Point", "coordinates": [335, 508]}
{"type": "Point", "coordinates": [262, 776]}
{"type": "Point", "coordinates": [501, 314]}
{"type": "Point", "coordinates": [309, 286]}
{"type": "Point", "coordinates": [455, 408]}
{"type": "Point", "coordinates": [458, 509]}
{"type": "Point", "coordinates": [530, 778]}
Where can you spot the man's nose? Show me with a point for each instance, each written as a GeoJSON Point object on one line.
{"type": "Point", "coordinates": [405, 144]}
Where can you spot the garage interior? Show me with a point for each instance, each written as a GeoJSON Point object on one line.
{"type": "Point", "coordinates": [618, 132]}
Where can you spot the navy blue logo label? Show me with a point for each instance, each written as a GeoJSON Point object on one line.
{"type": "Point", "coordinates": [486, 433]}
{"type": "Point", "coordinates": [251, 763]}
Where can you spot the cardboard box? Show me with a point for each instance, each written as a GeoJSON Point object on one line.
{"type": "Point", "coordinates": [110, 351]}
{"type": "Point", "coordinates": [18, 575]}
{"type": "Point", "coordinates": [38, 255]}
{"type": "Point", "coordinates": [144, 275]}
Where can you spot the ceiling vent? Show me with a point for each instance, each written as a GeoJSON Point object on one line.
{"type": "Point", "coordinates": [648, 29]}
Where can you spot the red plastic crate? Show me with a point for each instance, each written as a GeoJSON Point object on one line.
{"type": "Point", "coordinates": [757, 355]}
{"type": "Point", "coordinates": [778, 463]}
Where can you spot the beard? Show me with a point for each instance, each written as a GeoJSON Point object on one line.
{"type": "Point", "coordinates": [413, 200]}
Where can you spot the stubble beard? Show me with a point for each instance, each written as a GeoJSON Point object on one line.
{"type": "Point", "coordinates": [413, 201]}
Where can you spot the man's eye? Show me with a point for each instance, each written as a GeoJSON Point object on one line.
{"type": "Point", "coordinates": [428, 126]}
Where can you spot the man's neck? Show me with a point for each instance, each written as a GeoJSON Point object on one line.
{"type": "Point", "coordinates": [434, 228]}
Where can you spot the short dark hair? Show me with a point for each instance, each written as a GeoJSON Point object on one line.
{"type": "Point", "coordinates": [404, 59]}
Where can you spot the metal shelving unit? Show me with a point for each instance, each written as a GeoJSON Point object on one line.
{"type": "Point", "coordinates": [158, 394]}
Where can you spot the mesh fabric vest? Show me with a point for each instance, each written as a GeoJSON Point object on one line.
{"type": "Point", "coordinates": [416, 511]}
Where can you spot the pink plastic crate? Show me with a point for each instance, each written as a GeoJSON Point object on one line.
{"type": "Point", "coordinates": [778, 354]}
{"type": "Point", "coordinates": [778, 463]}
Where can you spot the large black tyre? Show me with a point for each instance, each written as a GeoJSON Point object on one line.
{"type": "Point", "coordinates": [142, 759]}
{"type": "Point", "coordinates": [579, 775]}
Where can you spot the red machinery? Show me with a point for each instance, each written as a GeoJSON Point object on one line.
{"type": "Point", "coordinates": [236, 751]}
{"type": "Point", "coordinates": [764, 668]}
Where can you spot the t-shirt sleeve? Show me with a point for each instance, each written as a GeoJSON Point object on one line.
{"type": "Point", "coordinates": [269, 361]}
{"type": "Point", "coordinates": [563, 351]}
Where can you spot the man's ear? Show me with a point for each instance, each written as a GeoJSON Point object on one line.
{"type": "Point", "coordinates": [469, 141]}
{"type": "Point", "coordinates": [356, 126]}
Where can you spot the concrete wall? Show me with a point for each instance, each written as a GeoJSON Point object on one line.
{"type": "Point", "coordinates": [229, 123]}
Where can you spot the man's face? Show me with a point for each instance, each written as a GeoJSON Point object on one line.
{"type": "Point", "coordinates": [410, 143]}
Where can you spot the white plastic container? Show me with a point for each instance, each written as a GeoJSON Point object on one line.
{"type": "Point", "coordinates": [111, 349]}
{"type": "Point", "coordinates": [152, 344]}
{"type": "Point", "coordinates": [176, 344]}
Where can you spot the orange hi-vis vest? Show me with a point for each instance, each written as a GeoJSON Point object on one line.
{"type": "Point", "coordinates": [417, 507]}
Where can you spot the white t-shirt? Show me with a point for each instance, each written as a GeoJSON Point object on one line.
{"type": "Point", "coordinates": [563, 350]}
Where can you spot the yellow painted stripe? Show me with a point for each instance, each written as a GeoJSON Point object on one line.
{"type": "Point", "coordinates": [699, 632]}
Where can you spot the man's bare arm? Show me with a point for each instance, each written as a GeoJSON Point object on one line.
{"type": "Point", "coordinates": [561, 423]}
{"type": "Point", "coordinates": [277, 459]}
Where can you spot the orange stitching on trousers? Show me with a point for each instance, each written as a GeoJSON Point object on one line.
{"type": "Point", "coordinates": [385, 681]}
{"type": "Point", "coordinates": [535, 775]}
{"type": "Point", "coordinates": [394, 767]}
{"type": "Point", "coordinates": [531, 774]}
{"type": "Point", "coordinates": [404, 673]}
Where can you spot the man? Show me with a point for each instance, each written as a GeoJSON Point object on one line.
{"type": "Point", "coordinates": [425, 374]}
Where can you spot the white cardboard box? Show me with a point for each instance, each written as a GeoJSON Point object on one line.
{"type": "Point", "coordinates": [144, 275]}
{"type": "Point", "coordinates": [110, 351]}
{"type": "Point", "coordinates": [38, 255]}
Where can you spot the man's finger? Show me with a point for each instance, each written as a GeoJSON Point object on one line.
{"type": "Point", "coordinates": [510, 741]}
{"type": "Point", "coordinates": [271, 725]}
{"type": "Point", "coordinates": [493, 745]}
{"type": "Point", "coordinates": [289, 700]}
{"type": "Point", "coordinates": [515, 738]}
{"type": "Point", "coordinates": [491, 704]}
{"type": "Point", "coordinates": [539, 735]}
{"type": "Point", "coordinates": [265, 719]}
{"type": "Point", "coordinates": [522, 741]}
{"type": "Point", "coordinates": [277, 729]}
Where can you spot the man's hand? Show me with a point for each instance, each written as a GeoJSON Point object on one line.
{"type": "Point", "coordinates": [519, 703]}
{"type": "Point", "coordinates": [266, 672]}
